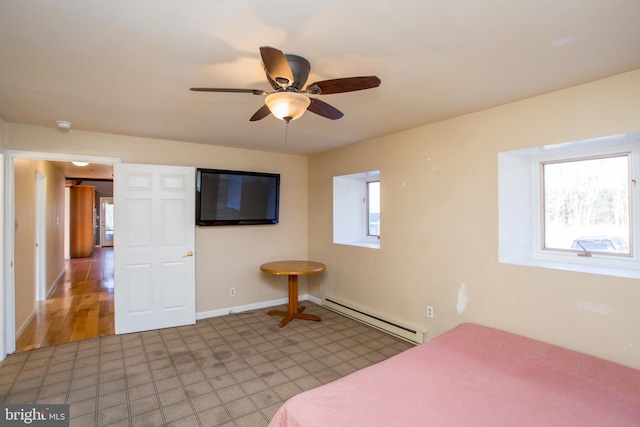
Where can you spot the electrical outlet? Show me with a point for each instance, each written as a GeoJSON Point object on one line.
{"type": "Point", "coordinates": [430, 311]}
{"type": "Point", "coordinates": [232, 292]}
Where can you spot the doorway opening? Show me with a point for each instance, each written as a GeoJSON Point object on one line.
{"type": "Point", "coordinates": [106, 221]}
{"type": "Point", "coordinates": [60, 275]}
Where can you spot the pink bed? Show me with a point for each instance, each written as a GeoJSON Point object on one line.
{"type": "Point", "coordinates": [475, 376]}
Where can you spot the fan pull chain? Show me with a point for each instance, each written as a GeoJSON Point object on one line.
{"type": "Point", "coordinates": [286, 134]}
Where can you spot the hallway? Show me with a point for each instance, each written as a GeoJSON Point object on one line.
{"type": "Point", "coordinates": [79, 307]}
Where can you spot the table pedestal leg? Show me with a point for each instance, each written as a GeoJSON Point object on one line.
{"type": "Point", "coordinates": [295, 311]}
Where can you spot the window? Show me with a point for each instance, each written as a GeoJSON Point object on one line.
{"type": "Point", "coordinates": [373, 208]}
{"type": "Point", "coordinates": [356, 209]}
{"type": "Point", "coordinates": [586, 205]}
{"type": "Point", "coordinates": [572, 206]}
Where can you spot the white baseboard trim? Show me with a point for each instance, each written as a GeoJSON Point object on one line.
{"type": "Point", "coordinates": [254, 306]}
{"type": "Point", "coordinates": [22, 327]}
{"type": "Point", "coordinates": [53, 285]}
{"type": "Point", "coordinates": [313, 299]}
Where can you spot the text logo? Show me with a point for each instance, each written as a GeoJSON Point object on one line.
{"type": "Point", "coordinates": [34, 415]}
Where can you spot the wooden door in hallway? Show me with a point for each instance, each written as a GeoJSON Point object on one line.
{"type": "Point", "coordinates": [82, 214]}
{"type": "Point", "coordinates": [79, 307]}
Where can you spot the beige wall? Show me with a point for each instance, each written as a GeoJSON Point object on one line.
{"type": "Point", "coordinates": [439, 226]}
{"type": "Point", "coordinates": [3, 133]}
{"type": "Point", "coordinates": [225, 256]}
{"type": "Point", "coordinates": [25, 234]}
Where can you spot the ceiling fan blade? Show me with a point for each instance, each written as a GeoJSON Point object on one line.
{"type": "Point", "coordinates": [217, 89]}
{"type": "Point", "coordinates": [276, 65]}
{"type": "Point", "coordinates": [260, 114]}
{"type": "Point", "coordinates": [323, 109]}
{"type": "Point", "coordinates": [346, 84]}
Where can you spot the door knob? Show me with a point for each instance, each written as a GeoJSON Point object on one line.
{"type": "Point", "coordinates": [188, 254]}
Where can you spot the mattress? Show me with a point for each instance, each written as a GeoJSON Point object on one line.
{"type": "Point", "coordinates": [473, 375]}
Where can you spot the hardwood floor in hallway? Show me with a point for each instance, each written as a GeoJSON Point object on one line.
{"type": "Point", "coordinates": [79, 307]}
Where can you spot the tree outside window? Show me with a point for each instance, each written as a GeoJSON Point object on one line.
{"type": "Point", "coordinates": [586, 205]}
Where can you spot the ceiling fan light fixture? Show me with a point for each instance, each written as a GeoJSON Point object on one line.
{"type": "Point", "coordinates": [287, 106]}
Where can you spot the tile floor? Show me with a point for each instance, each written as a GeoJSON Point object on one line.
{"type": "Point", "coordinates": [233, 370]}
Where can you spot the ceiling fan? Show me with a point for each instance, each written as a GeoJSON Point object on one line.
{"type": "Point", "coordinates": [287, 75]}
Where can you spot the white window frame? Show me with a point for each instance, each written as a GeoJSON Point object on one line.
{"type": "Point", "coordinates": [368, 207]}
{"type": "Point", "coordinates": [629, 158]}
{"type": "Point", "coordinates": [520, 207]}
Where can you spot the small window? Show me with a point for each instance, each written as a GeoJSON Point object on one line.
{"type": "Point", "coordinates": [373, 209]}
{"type": "Point", "coordinates": [572, 206]}
{"type": "Point", "coordinates": [356, 209]}
{"type": "Point", "coordinates": [586, 205]}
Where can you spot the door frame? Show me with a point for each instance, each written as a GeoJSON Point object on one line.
{"type": "Point", "coordinates": [8, 333]}
{"type": "Point", "coordinates": [41, 236]}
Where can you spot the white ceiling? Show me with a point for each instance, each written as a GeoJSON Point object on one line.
{"type": "Point", "coordinates": [92, 171]}
{"type": "Point", "coordinates": [125, 66]}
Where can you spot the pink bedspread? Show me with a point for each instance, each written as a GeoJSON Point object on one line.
{"type": "Point", "coordinates": [474, 376]}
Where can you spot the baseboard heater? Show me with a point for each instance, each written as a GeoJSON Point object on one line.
{"type": "Point", "coordinates": [400, 331]}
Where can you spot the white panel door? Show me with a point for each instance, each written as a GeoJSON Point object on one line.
{"type": "Point", "coordinates": [154, 261]}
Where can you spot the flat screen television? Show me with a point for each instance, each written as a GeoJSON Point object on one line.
{"type": "Point", "coordinates": [225, 197]}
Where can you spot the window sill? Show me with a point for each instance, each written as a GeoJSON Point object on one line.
{"type": "Point", "coordinates": [580, 268]}
{"type": "Point", "coordinates": [372, 245]}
